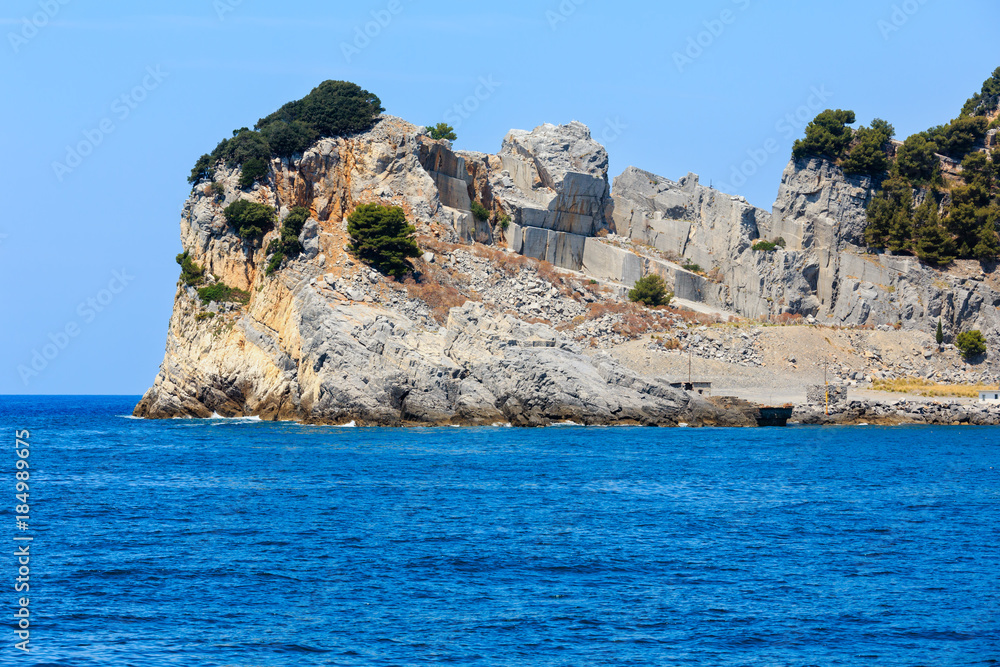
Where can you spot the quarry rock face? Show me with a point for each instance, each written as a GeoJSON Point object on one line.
{"type": "Point", "coordinates": [552, 183]}
{"type": "Point", "coordinates": [823, 270]}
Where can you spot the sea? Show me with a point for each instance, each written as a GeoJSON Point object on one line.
{"type": "Point", "coordinates": [236, 542]}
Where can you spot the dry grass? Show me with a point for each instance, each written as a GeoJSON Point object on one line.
{"type": "Point", "coordinates": [440, 291]}
{"type": "Point", "coordinates": [922, 387]}
{"type": "Point", "coordinates": [633, 320]}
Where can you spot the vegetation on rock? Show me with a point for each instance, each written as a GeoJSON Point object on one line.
{"type": "Point", "coordinates": [827, 135]}
{"type": "Point", "coordinates": [906, 215]}
{"type": "Point", "coordinates": [869, 153]}
{"type": "Point", "coordinates": [987, 100]}
{"type": "Point", "coordinates": [442, 131]}
{"type": "Point", "coordinates": [333, 108]}
{"type": "Point", "coordinates": [191, 273]}
{"type": "Point", "coordinates": [971, 344]}
{"type": "Point", "coordinates": [288, 244]}
{"type": "Point", "coordinates": [381, 237]}
{"type": "Point", "coordinates": [650, 290]}
{"type": "Point", "coordinates": [480, 212]}
{"type": "Point", "coordinates": [768, 246]}
{"type": "Point", "coordinates": [221, 292]}
{"type": "Point", "coordinates": [251, 220]}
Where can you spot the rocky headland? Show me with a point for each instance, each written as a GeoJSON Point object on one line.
{"type": "Point", "coordinates": [521, 315]}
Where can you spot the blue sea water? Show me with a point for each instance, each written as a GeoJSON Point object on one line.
{"type": "Point", "coordinates": [243, 543]}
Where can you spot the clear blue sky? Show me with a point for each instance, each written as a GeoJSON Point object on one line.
{"type": "Point", "coordinates": [191, 71]}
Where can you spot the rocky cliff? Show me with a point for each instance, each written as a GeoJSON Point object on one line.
{"type": "Point", "coordinates": [325, 339]}
{"type": "Point", "coordinates": [822, 271]}
{"type": "Point", "coordinates": [501, 336]}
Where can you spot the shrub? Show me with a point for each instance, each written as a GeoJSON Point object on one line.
{"type": "Point", "coordinates": [203, 170]}
{"type": "Point", "coordinates": [888, 214]}
{"type": "Point", "coordinates": [333, 108]}
{"type": "Point", "coordinates": [916, 159]}
{"type": "Point", "coordinates": [935, 246]}
{"type": "Point", "coordinates": [504, 222]}
{"type": "Point", "coordinates": [288, 139]}
{"type": "Point", "coordinates": [250, 219]}
{"type": "Point", "coordinates": [827, 135]}
{"type": "Point", "coordinates": [200, 317]}
{"type": "Point", "coordinates": [986, 100]}
{"type": "Point", "coordinates": [869, 154]}
{"type": "Point", "coordinates": [253, 170]}
{"type": "Point", "coordinates": [436, 289]}
{"type": "Point", "coordinates": [766, 246]}
{"type": "Point", "coordinates": [191, 273]}
{"type": "Point", "coordinates": [287, 244]}
{"type": "Point", "coordinates": [275, 262]}
{"type": "Point", "coordinates": [971, 343]}
{"type": "Point", "coordinates": [693, 268]}
{"type": "Point", "coordinates": [221, 292]}
{"type": "Point", "coordinates": [381, 237]}
{"type": "Point", "coordinates": [217, 190]}
{"type": "Point", "coordinates": [442, 131]}
{"type": "Point", "coordinates": [480, 212]}
{"type": "Point", "coordinates": [957, 138]}
{"type": "Point", "coordinates": [245, 145]}
{"type": "Point", "coordinates": [650, 290]}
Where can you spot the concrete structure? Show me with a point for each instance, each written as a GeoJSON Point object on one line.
{"type": "Point", "coordinates": [991, 396]}
{"type": "Point", "coordinates": [703, 388]}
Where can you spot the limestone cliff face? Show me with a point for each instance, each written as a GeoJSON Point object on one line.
{"type": "Point", "coordinates": [823, 271]}
{"type": "Point", "coordinates": [716, 231]}
{"type": "Point", "coordinates": [325, 339]}
{"type": "Point", "coordinates": [552, 182]}
{"type": "Point", "coordinates": [821, 211]}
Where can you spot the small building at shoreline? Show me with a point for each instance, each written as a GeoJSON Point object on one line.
{"type": "Point", "coordinates": [990, 396]}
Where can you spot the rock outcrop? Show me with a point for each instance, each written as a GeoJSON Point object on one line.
{"type": "Point", "coordinates": [697, 225]}
{"type": "Point", "coordinates": [552, 184]}
{"type": "Point", "coordinates": [323, 340]}
{"type": "Point", "coordinates": [822, 271]}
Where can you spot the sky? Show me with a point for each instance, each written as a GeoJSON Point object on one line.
{"type": "Point", "coordinates": [108, 105]}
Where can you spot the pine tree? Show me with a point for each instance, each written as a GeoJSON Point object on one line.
{"type": "Point", "coordinates": [926, 215]}
{"type": "Point", "coordinates": [901, 232]}
{"type": "Point", "coordinates": [936, 247]}
{"type": "Point", "coordinates": [988, 246]}
{"type": "Point", "coordinates": [880, 215]}
{"type": "Point", "coordinates": [939, 335]}
{"type": "Point", "coordinates": [381, 237]}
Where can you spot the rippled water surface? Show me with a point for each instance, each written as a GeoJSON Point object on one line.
{"type": "Point", "coordinates": [239, 543]}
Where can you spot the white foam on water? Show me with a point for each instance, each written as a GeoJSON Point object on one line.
{"type": "Point", "coordinates": [216, 415]}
